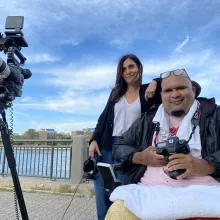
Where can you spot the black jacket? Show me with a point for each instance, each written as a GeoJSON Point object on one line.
{"type": "Point", "coordinates": [104, 127]}
{"type": "Point", "coordinates": [139, 137]}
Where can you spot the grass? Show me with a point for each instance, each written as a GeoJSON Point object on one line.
{"type": "Point", "coordinates": [67, 188]}
{"type": "Point", "coordinates": [41, 187]}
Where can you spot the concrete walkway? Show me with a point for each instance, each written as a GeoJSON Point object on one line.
{"type": "Point", "coordinates": [43, 204]}
{"type": "Point", "coordinates": [48, 207]}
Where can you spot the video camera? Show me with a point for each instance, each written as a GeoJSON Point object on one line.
{"type": "Point", "coordinates": [11, 74]}
{"type": "Point", "coordinates": [11, 81]}
{"type": "Point", "coordinates": [173, 145]}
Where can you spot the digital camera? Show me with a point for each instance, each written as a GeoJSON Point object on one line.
{"type": "Point", "coordinates": [173, 145]}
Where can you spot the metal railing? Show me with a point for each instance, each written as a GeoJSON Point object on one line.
{"type": "Point", "coordinates": [48, 161]}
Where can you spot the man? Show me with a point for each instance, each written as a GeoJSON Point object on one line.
{"type": "Point", "coordinates": [179, 115]}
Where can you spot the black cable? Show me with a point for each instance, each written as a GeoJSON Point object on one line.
{"type": "Point", "coordinates": [12, 144]}
{"type": "Point", "coordinates": [72, 197]}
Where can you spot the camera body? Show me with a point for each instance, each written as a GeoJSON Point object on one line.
{"type": "Point", "coordinates": [173, 145]}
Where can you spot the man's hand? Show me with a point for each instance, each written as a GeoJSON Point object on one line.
{"type": "Point", "coordinates": [150, 91]}
{"type": "Point", "coordinates": [193, 165]}
{"type": "Point", "coordinates": [148, 157]}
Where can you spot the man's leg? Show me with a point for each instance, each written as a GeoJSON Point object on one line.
{"type": "Point", "coordinates": [102, 197]}
{"type": "Point", "coordinates": [118, 211]}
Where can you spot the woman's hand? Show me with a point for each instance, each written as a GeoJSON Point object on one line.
{"type": "Point", "coordinates": [150, 91]}
{"type": "Point", "coordinates": [94, 147]}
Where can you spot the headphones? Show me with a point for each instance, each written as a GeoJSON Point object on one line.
{"type": "Point", "coordinates": [89, 166]}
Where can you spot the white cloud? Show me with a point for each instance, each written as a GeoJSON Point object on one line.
{"type": "Point", "coordinates": [27, 99]}
{"type": "Point", "coordinates": [202, 67]}
{"type": "Point", "coordinates": [64, 126]}
{"type": "Point", "coordinates": [79, 77]}
{"type": "Point", "coordinates": [181, 45]}
{"type": "Point", "coordinates": [202, 59]}
{"type": "Point", "coordinates": [118, 22]}
{"type": "Point", "coordinates": [72, 42]}
{"type": "Point", "coordinates": [87, 103]}
{"type": "Point", "coordinates": [42, 58]}
{"type": "Point", "coordinates": [102, 76]}
{"type": "Point", "coordinates": [86, 91]}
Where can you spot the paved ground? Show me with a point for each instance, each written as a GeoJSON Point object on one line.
{"type": "Point", "coordinates": [48, 207]}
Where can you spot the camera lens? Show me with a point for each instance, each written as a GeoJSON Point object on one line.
{"type": "Point", "coordinates": [4, 69]}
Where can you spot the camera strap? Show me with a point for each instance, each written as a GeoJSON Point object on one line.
{"type": "Point", "coordinates": [195, 120]}
{"type": "Point", "coordinates": [157, 129]}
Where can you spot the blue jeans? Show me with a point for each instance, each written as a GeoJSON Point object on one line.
{"type": "Point", "coordinates": [102, 197]}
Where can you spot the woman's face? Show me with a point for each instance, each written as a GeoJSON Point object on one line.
{"type": "Point", "coordinates": [130, 71]}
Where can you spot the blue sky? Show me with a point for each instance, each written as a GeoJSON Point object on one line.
{"type": "Point", "coordinates": [74, 47]}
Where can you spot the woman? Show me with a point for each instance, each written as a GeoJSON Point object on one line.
{"type": "Point", "coordinates": [126, 103]}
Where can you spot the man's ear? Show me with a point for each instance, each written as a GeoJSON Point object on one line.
{"type": "Point", "coordinates": [194, 90]}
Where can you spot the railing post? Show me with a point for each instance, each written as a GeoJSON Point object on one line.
{"type": "Point", "coordinates": [51, 163]}
{"type": "Point", "coordinates": [79, 147]}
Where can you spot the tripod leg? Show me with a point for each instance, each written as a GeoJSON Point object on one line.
{"type": "Point", "coordinates": [12, 165]}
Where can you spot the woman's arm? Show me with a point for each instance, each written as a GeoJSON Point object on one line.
{"type": "Point", "coordinates": [153, 92]}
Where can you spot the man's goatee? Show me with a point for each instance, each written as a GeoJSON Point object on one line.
{"type": "Point", "coordinates": [178, 113]}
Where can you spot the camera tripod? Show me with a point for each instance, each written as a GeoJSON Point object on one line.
{"type": "Point", "coordinates": [12, 163]}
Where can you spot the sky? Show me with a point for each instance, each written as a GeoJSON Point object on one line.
{"type": "Point", "coordinates": [74, 47]}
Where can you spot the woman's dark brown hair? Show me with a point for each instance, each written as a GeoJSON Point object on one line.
{"type": "Point", "coordinates": [120, 84]}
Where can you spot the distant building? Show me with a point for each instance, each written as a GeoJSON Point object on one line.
{"type": "Point", "coordinates": [74, 133]}
{"type": "Point", "coordinates": [42, 134]}
{"type": "Point", "coordinates": [47, 134]}
{"type": "Point", "coordinates": [51, 133]}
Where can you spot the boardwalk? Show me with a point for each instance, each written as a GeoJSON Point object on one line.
{"type": "Point", "coordinates": [47, 206]}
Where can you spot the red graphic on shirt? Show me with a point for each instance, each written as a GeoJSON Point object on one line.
{"type": "Point", "coordinates": [174, 130]}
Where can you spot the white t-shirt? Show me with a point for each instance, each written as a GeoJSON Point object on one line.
{"type": "Point", "coordinates": [125, 114]}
